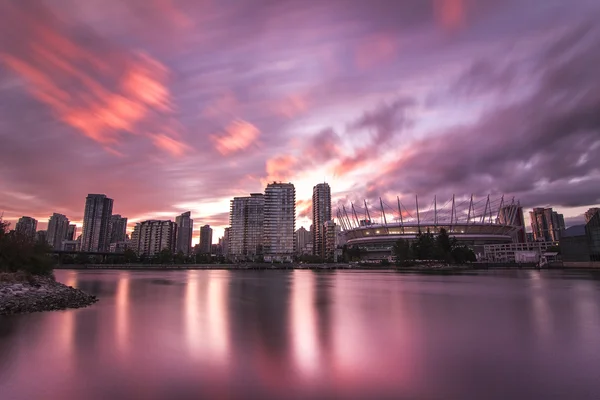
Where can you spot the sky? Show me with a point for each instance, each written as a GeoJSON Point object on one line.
{"type": "Point", "coordinates": [175, 105]}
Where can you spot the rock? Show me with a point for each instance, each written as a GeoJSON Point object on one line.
{"type": "Point", "coordinates": [42, 294]}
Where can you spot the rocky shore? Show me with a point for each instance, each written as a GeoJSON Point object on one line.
{"type": "Point", "coordinates": [25, 295]}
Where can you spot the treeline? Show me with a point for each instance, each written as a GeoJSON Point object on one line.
{"type": "Point", "coordinates": [166, 256]}
{"type": "Point", "coordinates": [19, 252]}
{"type": "Point", "coordinates": [426, 246]}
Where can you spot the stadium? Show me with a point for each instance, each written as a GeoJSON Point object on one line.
{"type": "Point", "coordinates": [474, 223]}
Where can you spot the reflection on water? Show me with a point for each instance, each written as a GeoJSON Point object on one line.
{"type": "Point", "coordinates": [306, 334]}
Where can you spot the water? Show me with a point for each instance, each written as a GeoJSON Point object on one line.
{"type": "Point", "coordinates": [305, 334]}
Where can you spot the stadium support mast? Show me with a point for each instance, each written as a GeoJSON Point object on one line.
{"type": "Point", "coordinates": [452, 214]}
{"type": "Point", "coordinates": [367, 214]}
{"type": "Point", "coordinates": [383, 212]}
{"type": "Point", "coordinates": [418, 218]}
{"type": "Point", "coordinates": [470, 206]}
{"type": "Point", "coordinates": [400, 211]}
{"type": "Point", "coordinates": [435, 210]}
{"type": "Point", "coordinates": [355, 216]}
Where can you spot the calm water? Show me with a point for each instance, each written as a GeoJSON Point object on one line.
{"type": "Point", "coordinates": [304, 334]}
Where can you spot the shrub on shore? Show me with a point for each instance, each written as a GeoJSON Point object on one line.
{"type": "Point", "coordinates": [19, 252]}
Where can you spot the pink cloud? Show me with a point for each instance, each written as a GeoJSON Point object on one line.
{"type": "Point", "coordinates": [238, 136]}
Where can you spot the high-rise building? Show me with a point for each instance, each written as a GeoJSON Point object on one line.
{"type": "Point", "coordinates": [185, 228]}
{"type": "Point", "coordinates": [41, 236]}
{"type": "Point", "coordinates": [58, 226]}
{"type": "Point", "coordinates": [303, 241]}
{"type": "Point", "coordinates": [117, 228]}
{"type": "Point", "coordinates": [96, 219]}
{"type": "Point", "coordinates": [71, 232]}
{"type": "Point", "coordinates": [246, 217]}
{"type": "Point", "coordinates": [589, 214]}
{"type": "Point", "coordinates": [151, 237]}
{"type": "Point", "coordinates": [27, 226]}
{"type": "Point", "coordinates": [206, 239]}
{"type": "Point", "coordinates": [279, 222]}
{"type": "Point", "coordinates": [329, 239]}
{"type": "Point", "coordinates": [546, 224]}
{"type": "Point", "coordinates": [512, 214]}
{"type": "Point", "coordinates": [321, 213]}
{"type": "Point", "coordinates": [225, 242]}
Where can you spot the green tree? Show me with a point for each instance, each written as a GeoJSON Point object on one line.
{"type": "Point", "coordinates": [130, 256]}
{"type": "Point", "coordinates": [165, 256]}
{"type": "Point", "coordinates": [402, 251]}
{"type": "Point", "coordinates": [82, 259]}
{"type": "Point", "coordinates": [423, 248]}
{"type": "Point", "coordinates": [19, 252]}
{"type": "Point", "coordinates": [463, 254]}
{"type": "Point", "coordinates": [180, 257]}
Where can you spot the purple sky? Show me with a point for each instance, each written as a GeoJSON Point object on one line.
{"type": "Point", "coordinates": [168, 106]}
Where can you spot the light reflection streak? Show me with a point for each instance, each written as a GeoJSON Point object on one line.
{"type": "Point", "coordinates": [303, 327]}
{"type": "Point", "coordinates": [216, 309]}
{"type": "Point", "coordinates": [541, 309]}
{"type": "Point", "coordinates": [122, 313]}
{"type": "Point", "coordinates": [192, 315]}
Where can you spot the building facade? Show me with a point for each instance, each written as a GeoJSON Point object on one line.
{"type": "Point", "coordinates": [279, 222]}
{"type": "Point", "coordinates": [329, 241]}
{"type": "Point", "coordinates": [245, 234]}
{"type": "Point", "coordinates": [546, 224]}
{"type": "Point", "coordinates": [321, 213]}
{"type": "Point", "coordinates": [27, 226]}
{"type": "Point", "coordinates": [149, 238]}
{"type": "Point", "coordinates": [224, 241]}
{"type": "Point", "coordinates": [206, 239]}
{"type": "Point", "coordinates": [117, 228]}
{"type": "Point", "coordinates": [71, 232]}
{"type": "Point", "coordinates": [185, 229]}
{"type": "Point", "coordinates": [589, 214]}
{"type": "Point", "coordinates": [96, 220]}
{"type": "Point", "coordinates": [303, 241]}
{"type": "Point", "coordinates": [58, 226]}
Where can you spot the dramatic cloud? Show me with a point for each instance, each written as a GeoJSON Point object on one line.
{"type": "Point", "coordinates": [176, 105]}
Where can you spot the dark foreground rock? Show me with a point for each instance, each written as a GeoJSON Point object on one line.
{"type": "Point", "coordinates": [40, 294]}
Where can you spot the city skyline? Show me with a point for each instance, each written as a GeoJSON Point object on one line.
{"type": "Point", "coordinates": [416, 97]}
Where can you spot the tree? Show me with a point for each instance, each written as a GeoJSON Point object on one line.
{"type": "Point", "coordinates": [179, 257]}
{"type": "Point", "coordinates": [130, 256]}
{"type": "Point", "coordinates": [19, 252]}
{"type": "Point", "coordinates": [402, 251]}
{"type": "Point", "coordinates": [165, 256]}
{"type": "Point", "coordinates": [463, 254]}
{"type": "Point", "coordinates": [423, 247]}
{"type": "Point", "coordinates": [82, 259]}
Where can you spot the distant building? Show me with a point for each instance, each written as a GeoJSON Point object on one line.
{"type": "Point", "coordinates": [41, 236]}
{"type": "Point", "coordinates": [206, 239]}
{"type": "Point", "coordinates": [26, 226]}
{"type": "Point", "coordinates": [96, 219]}
{"type": "Point", "coordinates": [279, 222]}
{"type": "Point", "coordinates": [225, 242]}
{"type": "Point", "coordinates": [580, 244]}
{"type": "Point", "coordinates": [530, 252]}
{"type": "Point", "coordinates": [303, 241]}
{"type": "Point", "coordinates": [58, 225]}
{"type": "Point", "coordinates": [513, 215]}
{"type": "Point", "coordinates": [321, 213]}
{"type": "Point", "coordinates": [117, 228]}
{"type": "Point", "coordinates": [589, 214]}
{"type": "Point", "coordinates": [185, 229]}
{"type": "Point", "coordinates": [546, 224]}
{"type": "Point", "coordinates": [216, 249]}
{"type": "Point", "coordinates": [329, 239]}
{"type": "Point", "coordinates": [70, 245]}
{"type": "Point", "coordinates": [119, 247]}
{"type": "Point", "coordinates": [151, 237]}
{"type": "Point", "coordinates": [71, 232]}
{"type": "Point", "coordinates": [246, 219]}
{"type": "Point", "coordinates": [529, 237]}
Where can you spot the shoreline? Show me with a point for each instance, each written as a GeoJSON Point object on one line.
{"type": "Point", "coordinates": [22, 295]}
